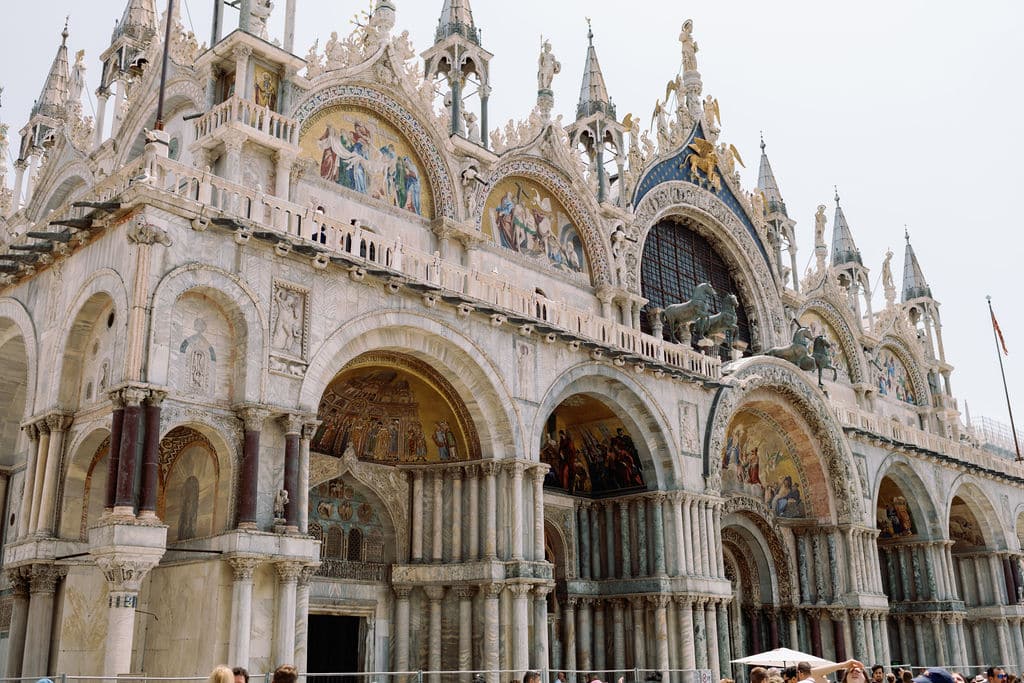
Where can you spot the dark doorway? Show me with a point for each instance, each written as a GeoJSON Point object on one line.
{"type": "Point", "coordinates": [336, 646]}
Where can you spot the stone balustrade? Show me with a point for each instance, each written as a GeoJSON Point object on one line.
{"type": "Point", "coordinates": [236, 111]}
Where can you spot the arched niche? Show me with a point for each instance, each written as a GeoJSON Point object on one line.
{"type": "Point", "coordinates": [898, 482]}
{"type": "Point", "coordinates": [893, 377]}
{"type": "Point", "coordinates": [392, 408]}
{"type": "Point", "coordinates": [590, 449]}
{"type": "Point", "coordinates": [972, 522]}
{"type": "Point", "coordinates": [90, 359]}
{"type": "Point", "coordinates": [192, 482]}
{"type": "Point", "coordinates": [14, 388]}
{"type": "Point", "coordinates": [352, 524]}
{"type": "Point", "coordinates": [826, 321]}
{"type": "Point", "coordinates": [356, 148]}
{"type": "Point", "coordinates": [85, 483]}
{"type": "Point", "coordinates": [525, 217]}
{"type": "Point", "coordinates": [204, 361]}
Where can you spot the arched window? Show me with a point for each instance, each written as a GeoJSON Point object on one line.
{"type": "Point", "coordinates": [355, 546]}
{"type": "Point", "coordinates": [335, 537]}
{"type": "Point", "coordinates": [676, 259]}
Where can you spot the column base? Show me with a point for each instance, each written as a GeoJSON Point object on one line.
{"type": "Point", "coordinates": [247, 526]}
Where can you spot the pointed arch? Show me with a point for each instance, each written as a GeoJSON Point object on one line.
{"type": "Point", "coordinates": [419, 136]}
{"type": "Point", "coordinates": [912, 363]}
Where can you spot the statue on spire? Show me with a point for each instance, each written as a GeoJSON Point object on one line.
{"type": "Point", "coordinates": [689, 46]}
{"type": "Point", "coordinates": [547, 67]}
{"type": "Point", "coordinates": [820, 248]}
{"type": "Point", "coordinates": [259, 14]}
{"type": "Point", "coordinates": [887, 281]}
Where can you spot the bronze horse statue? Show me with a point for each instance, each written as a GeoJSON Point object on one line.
{"type": "Point", "coordinates": [822, 354]}
{"type": "Point", "coordinates": [683, 315]}
{"type": "Point", "coordinates": [724, 321]}
{"type": "Point", "coordinates": [798, 353]}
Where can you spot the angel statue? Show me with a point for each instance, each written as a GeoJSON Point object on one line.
{"type": "Point", "coordinates": [728, 157]}
{"type": "Point", "coordinates": [547, 67]}
{"type": "Point", "coordinates": [689, 46]}
{"type": "Point", "coordinates": [712, 114]}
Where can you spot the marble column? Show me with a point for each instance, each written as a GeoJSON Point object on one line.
{"type": "Point", "coordinates": [302, 617]}
{"type": "Point", "coordinates": [151, 456]}
{"type": "Point", "coordinates": [618, 637]}
{"type": "Point", "coordinates": [600, 646]}
{"type": "Point", "coordinates": [658, 522]}
{"type": "Point", "coordinates": [474, 512]}
{"type": "Point", "coordinates": [1017, 641]}
{"type": "Point", "coordinates": [292, 432]}
{"type": "Point", "coordinates": [282, 174]}
{"type": "Point", "coordinates": [465, 595]}
{"type": "Point", "coordinates": [700, 635]}
{"type": "Point", "coordinates": [595, 541]}
{"type": "Point", "coordinates": [569, 634]}
{"type": "Point", "coordinates": [402, 627]}
{"type": "Point", "coordinates": [611, 541]}
{"type": "Point", "coordinates": [706, 530]}
{"type": "Point", "coordinates": [539, 472]}
{"type": "Point", "coordinates": [585, 635]}
{"type": "Point", "coordinates": [34, 433]}
{"type": "Point", "coordinates": [686, 642]}
{"type": "Point", "coordinates": [416, 521]}
{"type": "Point", "coordinates": [288, 576]}
{"type": "Point", "coordinates": [248, 481]}
{"type": "Point", "coordinates": [814, 620]}
{"type": "Point", "coordinates": [1002, 635]}
{"type": "Point", "coordinates": [724, 645]}
{"type": "Point", "coordinates": [124, 502]}
{"type": "Point", "coordinates": [456, 475]}
{"type": "Point", "coordinates": [639, 633]}
{"type": "Point", "coordinates": [43, 580]}
{"type": "Point", "coordinates": [518, 468]}
{"type": "Point", "coordinates": [437, 517]}
{"type": "Point", "coordinates": [689, 550]}
{"type": "Point", "coordinates": [995, 565]}
{"type": "Point", "coordinates": [434, 596]}
{"type": "Point", "coordinates": [660, 603]}
{"type": "Point", "coordinates": [938, 639]}
{"type": "Point", "coordinates": [627, 554]}
{"type": "Point", "coordinates": [682, 559]}
{"type": "Point", "coordinates": [305, 439]}
{"type": "Point", "coordinates": [869, 638]}
{"type": "Point", "coordinates": [922, 654]}
{"type": "Point", "coordinates": [711, 631]}
{"type": "Point", "coordinates": [58, 424]}
{"type": "Point", "coordinates": [490, 470]}
{"type": "Point", "coordinates": [242, 568]}
{"type": "Point", "coordinates": [643, 565]}
{"type": "Point", "coordinates": [716, 540]}
{"type": "Point", "coordinates": [583, 515]}
{"type": "Point", "coordinates": [541, 646]}
{"type": "Point", "coordinates": [520, 626]}
{"type": "Point", "coordinates": [19, 580]}
{"type": "Point", "coordinates": [976, 628]}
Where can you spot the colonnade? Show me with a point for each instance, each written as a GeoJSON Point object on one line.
{"type": "Point", "coordinates": [920, 571]}
{"type": "Point", "coordinates": [988, 578]}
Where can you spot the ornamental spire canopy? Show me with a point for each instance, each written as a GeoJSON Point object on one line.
{"type": "Point", "coordinates": [457, 19]}
{"type": "Point", "coordinates": [593, 92]}
{"type": "Point", "coordinates": [55, 89]}
{"type": "Point", "coordinates": [914, 284]}
{"type": "Point", "coordinates": [844, 249]}
{"type": "Point", "coordinates": [768, 186]}
{"type": "Point", "coordinates": [138, 21]}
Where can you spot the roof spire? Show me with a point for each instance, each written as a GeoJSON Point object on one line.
{"type": "Point", "coordinates": [138, 21]}
{"type": "Point", "coordinates": [844, 249]}
{"type": "Point", "coordinates": [593, 92]}
{"type": "Point", "coordinates": [914, 284]}
{"type": "Point", "coordinates": [768, 186]}
{"type": "Point", "coordinates": [55, 88]}
{"type": "Point", "coordinates": [457, 19]}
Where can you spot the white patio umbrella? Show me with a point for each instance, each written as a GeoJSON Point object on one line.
{"type": "Point", "coordinates": [782, 657]}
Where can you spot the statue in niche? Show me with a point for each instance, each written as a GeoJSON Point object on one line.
{"type": "Point", "coordinates": [200, 360]}
{"type": "Point", "coordinates": [280, 500]}
{"type": "Point", "coordinates": [472, 127]}
{"type": "Point", "coordinates": [288, 323]}
{"type": "Point", "coordinates": [547, 67]}
{"type": "Point", "coordinates": [689, 46]}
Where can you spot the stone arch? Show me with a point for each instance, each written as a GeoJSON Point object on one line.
{"type": "Point", "coordinates": [800, 395]}
{"type": "Point", "coordinates": [900, 470]}
{"type": "Point", "coordinates": [192, 448]}
{"type": "Point", "coordinates": [19, 349]}
{"type": "Point", "coordinates": [180, 92]}
{"type": "Point", "coordinates": [83, 494]}
{"type": "Point", "coordinates": [840, 321]}
{"type": "Point", "coordinates": [912, 362]}
{"type": "Point", "coordinates": [1019, 527]}
{"type": "Point", "coordinates": [240, 304]}
{"type": "Point", "coordinates": [745, 527]}
{"type": "Point", "coordinates": [711, 218]}
{"type": "Point", "coordinates": [631, 403]}
{"type": "Point", "coordinates": [104, 290]}
{"type": "Point", "coordinates": [356, 515]}
{"type": "Point", "coordinates": [556, 550]}
{"type": "Point", "coordinates": [60, 186]}
{"type": "Point", "coordinates": [580, 209]}
{"type": "Point", "coordinates": [971, 492]}
{"type": "Point", "coordinates": [480, 385]}
{"type": "Point", "coordinates": [420, 136]}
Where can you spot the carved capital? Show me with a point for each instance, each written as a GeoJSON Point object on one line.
{"type": "Point", "coordinates": [19, 581]}
{"type": "Point", "coordinates": [519, 590]}
{"type": "Point", "coordinates": [309, 429]}
{"type": "Point", "coordinates": [540, 471]}
{"type": "Point", "coordinates": [240, 52]}
{"type": "Point", "coordinates": [156, 397]}
{"type": "Point", "coordinates": [491, 591]}
{"type": "Point", "coordinates": [292, 423]}
{"type": "Point", "coordinates": [42, 427]}
{"type": "Point", "coordinates": [288, 570]}
{"type": "Point", "coordinates": [58, 422]}
{"type": "Point", "coordinates": [659, 601]}
{"type": "Point", "coordinates": [434, 593]}
{"type": "Point", "coordinates": [242, 567]}
{"type": "Point", "coordinates": [573, 602]}
{"type": "Point", "coordinates": [465, 592]}
{"type": "Point", "coordinates": [542, 592]}
{"type": "Point", "coordinates": [517, 469]}
{"type": "Point", "coordinates": [684, 601]}
{"type": "Point", "coordinates": [125, 572]}
{"type": "Point", "coordinates": [489, 468]}
{"type": "Point", "coordinates": [43, 578]}
{"type": "Point", "coordinates": [252, 417]}
{"type": "Point", "coordinates": [402, 592]}
{"type": "Point", "coordinates": [453, 474]}
{"type": "Point", "coordinates": [31, 431]}
{"type": "Point", "coordinates": [133, 396]}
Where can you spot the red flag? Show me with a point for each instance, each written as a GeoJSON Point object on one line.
{"type": "Point", "coordinates": [999, 333]}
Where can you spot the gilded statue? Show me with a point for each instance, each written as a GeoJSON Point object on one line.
{"type": "Point", "coordinates": [704, 159]}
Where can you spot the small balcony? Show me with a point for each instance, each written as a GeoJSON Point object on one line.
{"type": "Point", "coordinates": [259, 123]}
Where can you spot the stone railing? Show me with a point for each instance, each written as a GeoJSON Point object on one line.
{"type": "Point", "coordinates": [238, 110]}
{"type": "Point", "coordinates": [355, 571]}
{"type": "Point", "coordinates": [428, 271]}
{"type": "Point", "coordinates": [904, 434]}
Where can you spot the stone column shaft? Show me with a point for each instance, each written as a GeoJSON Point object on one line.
{"type": "Point", "coordinates": [583, 515]}
{"type": "Point", "coordinates": [690, 551]}
{"type": "Point", "coordinates": [465, 594]}
{"type": "Point", "coordinates": [517, 510]}
{"type": "Point", "coordinates": [151, 456]}
{"type": "Point", "coordinates": [643, 565]}
{"type": "Point", "coordinates": [124, 502]}
{"type": "Point", "coordinates": [490, 647]}
{"type": "Point", "coordinates": [416, 552]}
{"type": "Point", "coordinates": [541, 651]}
{"type": "Point", "coordinates": [627, 554]}
{"type": "Point", "coordinates": [48, 505]}
{"type": "Point", "coordinates": [610, 540]}
{"type": "Point", "coordinates": [711, 629]}
{"type": "Point", "coordinates": [437, 517]}
{"type": "Point", "coordinates": [639, 635]}
{"type": "Point", "coordinates": [569, 636]}
{"type": "Point", "coordinates": [658, 522]}
{"type": "Point", "coordinates": [456, 554]}
{"type": "Point", "coordinates": [284, 641]}
{"type": "Point", "coordinates": [241, 609]}
{"type": "Point", "coordinates": [474, 514]}
{"type": "Point", "coordinates": [595, 542]}
{"type": "Point", "coordinates": [677, 525]}
{"type": "Point", "coordinates": [600, 648]}
{"type": "Point", "coordinates": [248, 480]}
{"type": "Point", "coordinates": [39, 626]}
{"type": "Point", "coordinates": [25, 507]}
{"type": "Point", "coordinates": [687, 644]}
{"type": "Point", "coordinates": [293, 427]}
{"type": "Point", "coordinates": [35, 494]}
{"type": "Point", "coordinates": [434, 596]}
{"type": "Point", "coordinates": [538, 515]}
{"type": "Point", "coordinates": [491, 506]}
{"type": "Point", "coordinates": [618, 637]}
{"type": "Point", "coordinates": [661, 634]}
{"type": "Point", "coordinates": [402, 625]}
{"type": "Point", "coordinates": [19, 621]}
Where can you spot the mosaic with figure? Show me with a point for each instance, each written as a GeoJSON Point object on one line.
{"type": "Point", "coordinates": [589, 450]}
{"type": "Point", "coordinates": [819, 326]}
{"type": "Point", "coordinates": [964, 530]}
{"type": "Point", "coordinates": [523, 216]}
{"type": "Point", "coordinates": [394, 409]}
{"type": "Point", "coordinates": [894, 518]}
{"type": "Point", "coordinates": [346, 522]}
{"type": "Point", "coordinates": [892, 378]}
{"type": "Point", "coordinates": [759, 462]}
{"type": "Point", "coordinates": [359, 150]}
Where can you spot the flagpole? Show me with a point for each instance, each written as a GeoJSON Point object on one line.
{"type": "Point", "coordinates": [1006, 389]}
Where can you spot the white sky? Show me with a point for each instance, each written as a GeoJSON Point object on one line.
{"type": "Point", "coordinates": [912, 108]}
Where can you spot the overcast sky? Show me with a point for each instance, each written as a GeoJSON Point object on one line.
{"type": "Point", "coordinates": [912, 108]}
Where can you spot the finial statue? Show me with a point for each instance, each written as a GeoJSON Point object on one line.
{"type": "Point", "coordinates": [689, 46]}
{"type": "Point", "coordinates": [887, 282]}
{"type": "Point", "coordinates": [259, 14]}
{"type": "Point", "coordinates": [547, 66]}
{"type": "Point", "coordinates": [820, 250]}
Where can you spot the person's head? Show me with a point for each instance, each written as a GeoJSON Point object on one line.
{"type": "Point", "coordinates": [286, 674]}
{"type": "Point", "coordinates": [803, 670]}
{"type": "Point", "coordinates": [907, 676]}
{"type": "Point", "coordinates": [856, 674]}
{"type": "Point", "coordinates": [995, 674]}
{"type": "Point", "coordinates": [957, 678]}
{"type": "Point", "coordinates": [241, 674]}
{"type": "Point", "coordinates": [935, 675]}
{"type": "Point", "coordinates": [221, 674]}
{"type": "Point", "coordinates": [758, 674]}
{"type": "Point", "coordinates": [891, 678]}
{"type": "Point", "coordinates": [789, 674]}
{"type": "Point", "coordinates": [877, 673]}
{"type": "Point", "coordinates": [531, 677]}
{"type": "Point", "coordinates": [560, 676]}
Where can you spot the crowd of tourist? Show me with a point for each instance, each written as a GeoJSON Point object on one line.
{"type": "Point", "coordinates": [853, 671]}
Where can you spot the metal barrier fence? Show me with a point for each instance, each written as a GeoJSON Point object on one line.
{"type": "Point", "coordinates": [498, 676]}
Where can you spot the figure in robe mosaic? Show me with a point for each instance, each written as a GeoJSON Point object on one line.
{"type": "Point", "coordinates": [364, 153]}
{"type": "Point", "coordinates": [589, 449]}
{"type": "Point", "coordinates": [759, 462]}
{"type": "Point", "coordinates": [895, 520]}
{"type": "Point", "coordinates": [394, 415]}
{"type": "Point", "coordinates": [964, 530]}
{"type": "Point", "coordinates": [892, 377]}
{"type": "Point", "coordinates": [525, 217]}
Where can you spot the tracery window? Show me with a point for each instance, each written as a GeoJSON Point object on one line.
{"type": "Point", "coordinates": [676, 259]}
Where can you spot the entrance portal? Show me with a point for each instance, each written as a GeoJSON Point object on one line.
{"type": "Point", "coordinates": [336, 645]}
